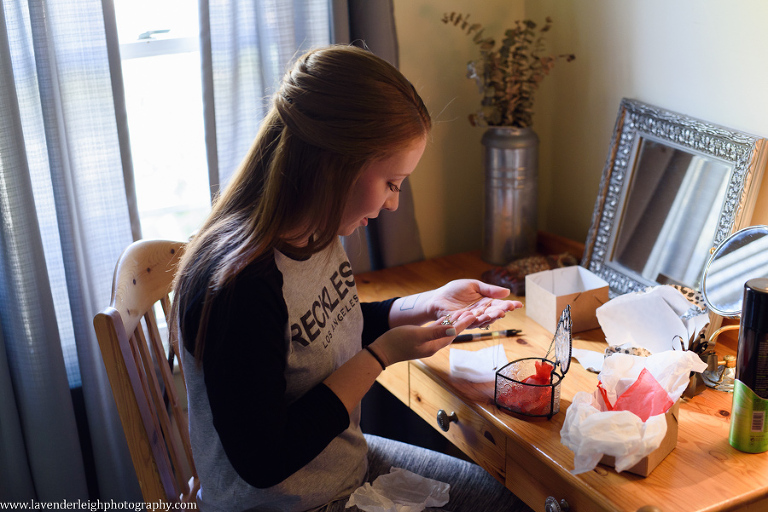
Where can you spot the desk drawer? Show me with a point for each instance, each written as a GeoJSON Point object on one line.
{"type": "Point", "coordinates": [469, 431]}
{"type": "Point", "coordinates": [534, 481]}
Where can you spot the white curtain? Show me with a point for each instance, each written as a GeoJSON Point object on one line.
{"type": "Point", "coordinates": [65, 220]}
{"type": "Point", "coordinates": [246, 47]}
{"type": "Point", "coordinates": [68, 209]}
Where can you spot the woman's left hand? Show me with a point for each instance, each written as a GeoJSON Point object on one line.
{"type": "Point", "coordinates": [481, 299]}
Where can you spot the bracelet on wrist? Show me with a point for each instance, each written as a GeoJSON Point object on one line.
{"type": "Point", "coordinates": [376, 357]}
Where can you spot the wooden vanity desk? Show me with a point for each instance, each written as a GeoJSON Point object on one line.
{"type": "Point", "coordinates": [703, 473]}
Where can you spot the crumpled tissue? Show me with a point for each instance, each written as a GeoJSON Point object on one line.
{"type": "Point", "coordinates": [400, 491]}
{"type": "Point", "coordinates": [477, 365]}
{"type": "Point", "coordinates": [591, 360]}
{"type": "Point", "coordinates": [651, 319]}
{"type": "Point", "coordinates": [608, 421]}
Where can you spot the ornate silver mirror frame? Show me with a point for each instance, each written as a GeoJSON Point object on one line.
{"type": "Point", "coordinates": [677, 216]}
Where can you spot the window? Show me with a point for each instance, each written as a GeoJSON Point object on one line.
{"type": "Point", "coordinates": [159, 48]}
{"type": "Point", "coordinates": [160, 54]}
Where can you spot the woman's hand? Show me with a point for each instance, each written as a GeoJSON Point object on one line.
{"type": "Point", "coordinates": [409, 342]}
{"type": "Point", "coordinates": [481, 299]}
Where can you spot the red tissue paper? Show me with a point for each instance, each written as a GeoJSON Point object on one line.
{"type": "Point", "coordinates": [533, 394]}
{"type": "Point", "coordinates": [645, 397]}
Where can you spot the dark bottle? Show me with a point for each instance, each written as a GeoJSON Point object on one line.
{"type": "Point", "coordinates": [749, 425]}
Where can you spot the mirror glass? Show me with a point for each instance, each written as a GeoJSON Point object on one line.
{"type": "Point", "coordinates": [741, 257]}
{"type": "Point", "coordinates": [673, 187]}
{"type": "Point", "coordinates": [669, 221]}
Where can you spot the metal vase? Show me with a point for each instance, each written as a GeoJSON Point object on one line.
{"type": "Point", "coordinates": [511, 192]}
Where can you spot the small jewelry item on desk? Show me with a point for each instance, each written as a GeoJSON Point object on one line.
{"type": "Point", "coordinates": [720, 374]}
{"type": "Point", "coordinates": [485, 335]}
{"type": "Point", "coordinates": [699, 346]}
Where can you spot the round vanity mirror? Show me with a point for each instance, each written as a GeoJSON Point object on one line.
{"type": "Point", "coordinates": [741, 257]}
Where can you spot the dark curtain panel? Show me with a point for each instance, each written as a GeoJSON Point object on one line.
{"type": "Point", "coordinates": [392, 238]}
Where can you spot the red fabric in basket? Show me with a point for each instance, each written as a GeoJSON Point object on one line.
{"type": "Point", "coordinates": [529, 399]}
{"type": "Point", "coordinates": [543, 374]}
{"type": "Point", "coordinates": [645, 397]}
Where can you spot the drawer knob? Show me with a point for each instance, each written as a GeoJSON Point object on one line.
{"type": "Point", "coordinates": [552, 505]}
{"type": "Point", "coordinates": [444, 419]}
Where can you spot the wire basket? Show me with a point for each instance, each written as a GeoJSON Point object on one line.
{"type": "Point", "coordinates": [514, 394]}
{"type": "Point", "coordinates": [531, 386]}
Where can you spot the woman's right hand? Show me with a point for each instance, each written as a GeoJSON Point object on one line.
{"type": "Point", "coordinates": [409, 342]}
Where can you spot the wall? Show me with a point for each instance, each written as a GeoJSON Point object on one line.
{"type": "Point", "coordinates": [448, 183]}
{"type": "Point", "coordinates": [702, 58]}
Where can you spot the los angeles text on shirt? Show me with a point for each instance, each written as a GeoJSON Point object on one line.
{"type": "Point", "coordinates": [328, 310]}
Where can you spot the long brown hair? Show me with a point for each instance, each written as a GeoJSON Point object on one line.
{"type": "Point", "coordinates": [338, 108]}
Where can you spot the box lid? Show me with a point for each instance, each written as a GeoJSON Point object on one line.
{"type": "Point", "coordinates": [562, 342]}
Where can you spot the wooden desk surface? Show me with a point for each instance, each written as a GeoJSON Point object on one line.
{"type": "Point", "coordinates": [703, 473]}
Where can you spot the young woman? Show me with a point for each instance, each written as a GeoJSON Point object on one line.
{"type": "Point", "coordinates": [279, 350]}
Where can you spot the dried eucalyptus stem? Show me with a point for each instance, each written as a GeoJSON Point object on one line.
{"type": "Point", "coordinates": [509, 76]}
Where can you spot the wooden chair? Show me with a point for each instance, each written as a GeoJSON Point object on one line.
{"type": "Point", "coordinates": [140, 370]}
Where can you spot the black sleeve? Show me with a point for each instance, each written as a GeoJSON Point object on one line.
{"type": "Point", "coordinates": [265, 438]}
{"type": "Point", "coordinates": [375, 319]}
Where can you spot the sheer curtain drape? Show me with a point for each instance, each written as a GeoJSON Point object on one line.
{"type": "Point", "coordinates": [68, 209]}
{"type": "Point", "coordinates": [246, 46]}
{"type": "Point", "coordinates": [65, 220]}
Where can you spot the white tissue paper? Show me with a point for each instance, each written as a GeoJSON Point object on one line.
{"type": "Point", "coordinates": [477, 365]}
{"type": "Point", "coordinates": [400, 491]}
{"type": "Point", "coordinates": [592, 430]}
{"type": "Point", "coordinates": [651, 319]}
{"type": "Point", "coordinates": [591, 360]}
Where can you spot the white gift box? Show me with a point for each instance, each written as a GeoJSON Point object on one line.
{"type": "Point", "coordinates": [548, 292]}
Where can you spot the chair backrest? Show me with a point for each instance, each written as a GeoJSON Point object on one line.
{"type": "Point", "coordinates": [140, 369]}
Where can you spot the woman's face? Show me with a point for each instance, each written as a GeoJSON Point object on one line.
{"type": "Point", "coordinates": [378, 186]}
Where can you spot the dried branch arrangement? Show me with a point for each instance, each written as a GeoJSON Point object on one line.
{"type": "Point", "coordinates": [507, 76]}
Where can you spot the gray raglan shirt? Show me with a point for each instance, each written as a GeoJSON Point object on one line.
{"type": "Point", "coordinates": [266, 433]}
